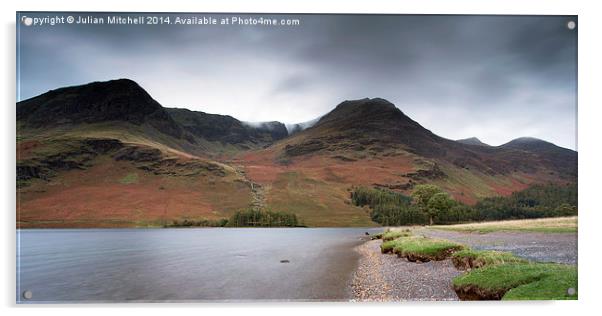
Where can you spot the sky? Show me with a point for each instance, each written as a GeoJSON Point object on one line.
{"type": "Point", "coordinates": [492, 77]}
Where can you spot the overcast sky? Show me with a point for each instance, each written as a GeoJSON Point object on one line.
{"type": "Point", "coordinates": [493, 77]}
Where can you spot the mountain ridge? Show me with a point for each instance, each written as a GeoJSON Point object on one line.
{"type": "Point", "coordinates": [108, 154]}
{"type": "Point", "coordinates": [151, 108]}
{"type": "Point", "coordinates": [114, 100]}
{"type": "Point", "coordinates": [472, 141]}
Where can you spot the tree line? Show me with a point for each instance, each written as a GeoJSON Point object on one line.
{"type": "Point", "coordinates": [244, 218]}
{"type": "Point", "coordinates": [550, 200]}
{"type": "Point", "coordinates": [256, 218]}
{"type": "Point", "coordinates": [429, 204]}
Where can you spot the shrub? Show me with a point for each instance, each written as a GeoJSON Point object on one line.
{"type": "Point", "coordinates": [387, 207]}
{"type": "Point", "coordinates": [256, 218]}
{"type": "Point", "coordinates": [198, 223]}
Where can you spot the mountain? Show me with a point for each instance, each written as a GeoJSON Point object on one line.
{"type": "Point", "coordinates": [298, 127]}
{"type": "Point", "coordinates": [559, 159]}
{"type": "Point", "coordinates": [366, 125]}
{"type": "Point", "coordinates": [120, 100]}
{"type": "Point", "coordinates": [532, 144]}
{"type": "Point", "coordinates": [106, 154]}
{"type": "Point", "coordinates": [376, 128]}
{"type": "Point", "coordinates": [100, 108]}
{"type": "Point", "coordinates": [228, 130]}
{"type": "Point", "coordinates": [472, 141]}
{"type": "Point", "coordinates": [275, 129]}
{"type": "Point", "coordinates": [370, 142]}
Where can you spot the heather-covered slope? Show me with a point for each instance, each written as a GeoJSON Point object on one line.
{"type": "Point", "coordinates": [370, 142]}
{"type": "Point", "coordinates": [106, 154]}
{"type": "Point", "coordinates": [376, 128]}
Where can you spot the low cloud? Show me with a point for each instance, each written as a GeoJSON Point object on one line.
{"type": "Point", "coordinates": [493, 77]}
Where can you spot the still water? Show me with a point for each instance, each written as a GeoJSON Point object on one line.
{"type": "Point", "coordinates": [205, 264]}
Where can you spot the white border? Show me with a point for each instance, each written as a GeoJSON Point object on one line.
{"type": "Point", "coordinates": [589, 123]}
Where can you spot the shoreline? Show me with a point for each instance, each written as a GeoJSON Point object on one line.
{"type": "Point", "coordinates": [386, 278]}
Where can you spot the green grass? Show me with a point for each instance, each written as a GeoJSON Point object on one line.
{"type": "Point", "coordinates": [418, 248]}
{"type": "Point", "coordinates": [378, 236]}
{"type": "Point", "coordinates": [553, 287]}
{"type": "Point", "coordinates": [318, 203]}
{"type": "Point", "coordinates": [394, 234]}
{"type": "Point", "coordinates": [518, 281]}
{"type": "Point", "coordinates": [387, 246]}
{"type": "Point", "coordinates": [470, 259]}
{"type": "Point", "coordinates": [389, 238]}
{"type": "Point", "coordinates": [130, 178]}
{"type": "Point", "coordinates": [541, 225]}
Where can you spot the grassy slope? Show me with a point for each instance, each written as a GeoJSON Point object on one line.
{"type": "Point", "coordinates": [314, 187]}
{"type": "Point", "coordinates": [544, 225]}
{"type": "Point", "coordinates": [117, 194]}
{"type": "Point", "coordinates": [316, 202]}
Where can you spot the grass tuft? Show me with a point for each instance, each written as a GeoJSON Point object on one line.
{"type": "Point", "coordinates": [387, 246]}
{"type": "Point", "coordinates": [377, 236]}
{"type": "Point", "coordinates": [394, 234]}
{"type": "Point", "coordinates": [470, 259]}
{"type": "Point", "coordinates": [518, 281]}
{"type": "Point", "coordinates": [130, 178]}
{"type": "Point", "coordinates": [418, 248]}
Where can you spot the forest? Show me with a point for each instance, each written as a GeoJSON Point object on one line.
{"type": "Point", "coordinates": [428, 204]}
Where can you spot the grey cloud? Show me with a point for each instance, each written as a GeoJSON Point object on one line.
{"type": "Point", "coordinates": [499, 77]}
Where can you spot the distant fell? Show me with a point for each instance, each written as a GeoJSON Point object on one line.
{"type": "Point", "coordinates": [226, 129]}
{"type": "Point", "coordinates": [116, 100]}
{"type": "Point", "coordinates": [472, 141]}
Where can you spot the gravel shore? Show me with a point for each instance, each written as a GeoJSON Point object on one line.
{"type": "Point", "coordinates": [541, 247]}
{"type": "Point", "coordinates": [382, 277]}
{"type": "Point", "coordinates": [385, 277]}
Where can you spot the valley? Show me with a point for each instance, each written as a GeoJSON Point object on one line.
{"type": "Point", "coordinates": [106, 154]}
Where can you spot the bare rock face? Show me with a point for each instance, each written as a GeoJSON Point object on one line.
{"type": "Point", "coordinates": [138, 154]}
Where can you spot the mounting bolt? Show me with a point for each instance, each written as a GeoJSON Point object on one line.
{"type": "Point", "coordinates": [571, 291]}
{"type": "Point", "coordinates": [27, 295]}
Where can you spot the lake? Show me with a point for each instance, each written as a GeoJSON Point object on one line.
{"type": "Point", "coordinates": [191, 264]}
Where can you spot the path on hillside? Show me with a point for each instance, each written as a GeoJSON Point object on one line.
{"type": "Point", "coordinates": [258, 191]}
{"type": "Point", "coordinates": [542, 247]}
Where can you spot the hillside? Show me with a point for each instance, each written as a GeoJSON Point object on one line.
{"type": "Point", "coordinates": [228, 130]}
{"type": "Point", "coordinates": [472, 141]}
{"type": "Point", "coordinates": [120, 100]}
{"type": "Point", "coordinates": [370, 142]}
{"type": "Point", "coordinates": [106, 154]}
